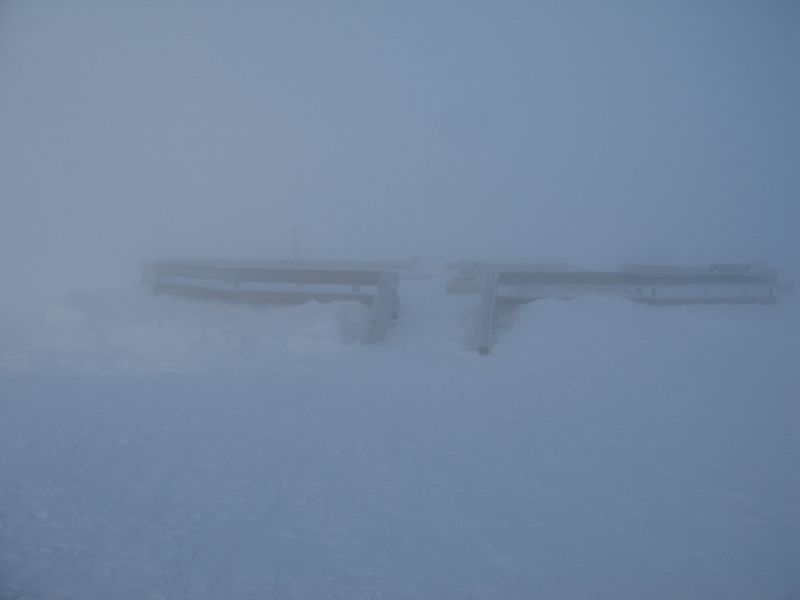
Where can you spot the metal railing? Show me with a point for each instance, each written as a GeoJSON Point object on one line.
{"type": "Point", "coordinates": [656, 285]}
{"type": "Point", "coordinates": [285, 282]}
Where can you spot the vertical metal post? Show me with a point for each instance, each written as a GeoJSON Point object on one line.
{"type": "Point", "coordinates": [487, 310]}
{"type": "Point", "coordinates": [383, 309]}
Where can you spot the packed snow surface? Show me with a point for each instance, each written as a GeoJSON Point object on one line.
{"type": "Point", "coordinates": [153, 447]}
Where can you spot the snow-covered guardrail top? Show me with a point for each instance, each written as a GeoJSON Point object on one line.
{"type": "Point", "coordinates": [265, 281]}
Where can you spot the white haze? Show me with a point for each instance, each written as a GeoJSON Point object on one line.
{"type": "Point", "coordinates": [157, 447]}
{"type": "Point", "coordinates": [580, 132]}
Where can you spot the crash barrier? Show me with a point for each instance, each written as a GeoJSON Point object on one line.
{"type": "Point", "coordinates": [648, 284]}
{"type": "Point", "coordinates": [285, 282]}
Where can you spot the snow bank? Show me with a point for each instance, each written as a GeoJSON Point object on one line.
{"type": "Point", "coordinates": [135, 331]}
{"type": "Point", "coordinates": [603, 450]}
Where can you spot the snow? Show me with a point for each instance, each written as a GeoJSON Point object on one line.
{"type": "Point", "coordinates": [136, 332]}
{"type": "Point", "coordinates": [153, 447]}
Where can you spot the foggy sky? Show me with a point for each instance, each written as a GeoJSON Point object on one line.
{"type": "Point", "coordinates": [582, 132]}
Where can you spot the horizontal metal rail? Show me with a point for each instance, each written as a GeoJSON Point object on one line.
{"type": "Point", "coordinates": [238, 273]}
{"type": "Point", "coordinates": [348, 265]}
{"type": "Point", "coordinates": [718, 284]}
{"type": "Point", "coordinates": [258, 296]}
{"type": "Point", "coordinates": [635, 279]}
{"type": "Point", "coordinates": [284, 282]}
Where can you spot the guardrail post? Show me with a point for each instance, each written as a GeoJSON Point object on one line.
{"type": "Point", "coordinates": [383, 309]}
{"type": "Point", "coordinates": [486, 314]}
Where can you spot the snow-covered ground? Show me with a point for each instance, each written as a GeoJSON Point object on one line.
{"type": "Point", "coordinates": [153, 447]}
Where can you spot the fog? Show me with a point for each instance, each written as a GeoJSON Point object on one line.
{"type": "Point", "coordinates": [407, 430]}
{"type": "Point", "coordinates": [580, 132]}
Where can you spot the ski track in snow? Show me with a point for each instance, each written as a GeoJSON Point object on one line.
{"type": "Point", "coordinates": [160, 448]}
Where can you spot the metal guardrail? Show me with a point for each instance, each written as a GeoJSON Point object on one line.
{"type": "Point", "coordinates": [740, 283]}
{"type": "Point", "coordinates": [357, 265]}
{"type": "Point", "coordinates": [637, 279]}
{"type": "Point", "coordinates": [656, 285]}
{"type": "Point", "coordinates": [286, 282]}
{"type": "Point", "coordinates": [499, 284]}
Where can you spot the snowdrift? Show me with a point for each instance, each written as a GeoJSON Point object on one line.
{"type": "Point", "coordinates": [135, 331]}
{"type": "Point", "coordinates": [604, 450]}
